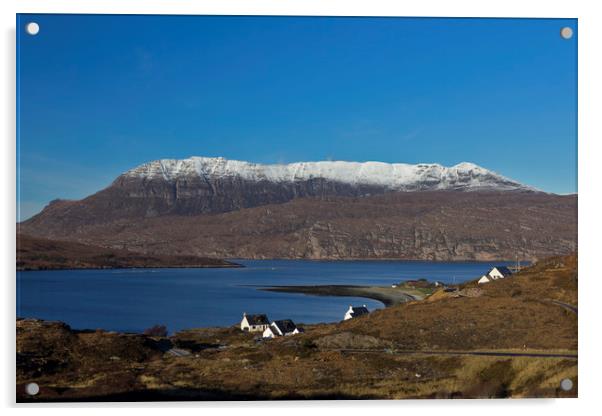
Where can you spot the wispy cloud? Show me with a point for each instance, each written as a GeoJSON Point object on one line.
{"type": "Point", "coordinates": [410, 135]}
{"type": "Point", "coordinates": [359, 129]}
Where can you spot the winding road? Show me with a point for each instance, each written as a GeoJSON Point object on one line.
{"type": "Point", "coordinates": [472, 353]}
{"type": "Point", "coordinates": [566, 306]}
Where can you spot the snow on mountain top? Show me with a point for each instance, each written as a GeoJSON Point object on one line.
{"type": "Point", "coordinates": [394, 176]}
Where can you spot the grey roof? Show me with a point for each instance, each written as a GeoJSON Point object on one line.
{"type": "Point", "coordinates": [504, 270]}
{"type": "Point", "coordinates": [260, 319]}
{"type": "Point", "coordinates": [359, 310]}
{"type": "Point", "coordinates": [285, 326]}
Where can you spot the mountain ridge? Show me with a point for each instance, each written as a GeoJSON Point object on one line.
{"type": "Point", "coordinates": [392, 176]}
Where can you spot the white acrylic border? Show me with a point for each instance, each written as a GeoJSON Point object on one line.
{"type": "Point", "coordinates": [590, 34]}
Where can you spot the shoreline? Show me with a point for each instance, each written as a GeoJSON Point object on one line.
{"type": "Point", "coordinates": [42, 254]}
{"type": "Point", "coordinates": [373, 259]}
{"type": "Point", "coordinates": [388, 296]}
{"type": "Point", "coordinates": [207, 266]}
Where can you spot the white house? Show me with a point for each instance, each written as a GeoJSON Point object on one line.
{"type": "Point", "coordinates": [484, 279]}
{"type": "Point", "coordinates": [355, 311]}
{"type": "Point", "coordinates": [498, 272]}
{"type": "Point", "coordinates": [254, 323]}
{"type": "Point", "coordinates": [281, 328]}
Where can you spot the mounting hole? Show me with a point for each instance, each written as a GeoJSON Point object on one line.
{"type": "Point", "coordinates": [32, 389]}
{"type": "Point", "coordinates": [32, 28]}
{"type": "Point", "coordinates": [566, 384]}
{"type": "Point", "coordinates": [566, 32]}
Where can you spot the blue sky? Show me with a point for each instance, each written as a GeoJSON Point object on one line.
{"type": "Point", "coordinates": [98, 95]}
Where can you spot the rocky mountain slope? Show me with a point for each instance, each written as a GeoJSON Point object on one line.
{"type": "Point", "coordinates": [440, 225]}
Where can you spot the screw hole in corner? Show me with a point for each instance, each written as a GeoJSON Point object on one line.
{"type": "Point", "coordinates": [566, 32]}
{"type": "Point", "coordinates": [32, 389]}
{"type": "Point", "coordinates": [32, 28]}
{"type": "Point", "coordinates": [566, 384]}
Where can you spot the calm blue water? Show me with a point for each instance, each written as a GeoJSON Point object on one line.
{"type": "Point", "coordinates": [134, 299]}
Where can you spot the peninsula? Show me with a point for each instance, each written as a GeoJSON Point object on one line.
{"type": "Point", "coordinates": [385, 294]}
{"type": "Point", "coordinates": [35, 253]}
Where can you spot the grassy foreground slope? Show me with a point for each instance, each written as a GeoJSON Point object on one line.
{"type": "Point", "coordinates": [442, 347]}
{"type": "Point", "coordinates": [517, 312]}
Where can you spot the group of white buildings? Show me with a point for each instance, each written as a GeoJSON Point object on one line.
{"type": "Point", "coordinates": [498, 272]}
{"type": "Point", "coordinates": [260, 323]}
{"type": "Point", "coordinates": [286, 327]}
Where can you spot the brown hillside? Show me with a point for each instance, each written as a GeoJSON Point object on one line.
{"type": "Point", "coordinates": [516, 312]}
{"type": "Point", "coordinates": [396, 225]}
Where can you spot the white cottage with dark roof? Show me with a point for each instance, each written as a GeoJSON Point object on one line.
{"type": "Point", "coordinates": [355, 311]}
{"type": "Point", "coordinates": [282, 328]}
{"type": "Point", "coordinates": [254, 323]}
{"type": "Point", "coordinates": [498, 272]}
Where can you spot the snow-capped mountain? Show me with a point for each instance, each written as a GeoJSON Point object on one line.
{"type": "Point", "coordinates": [200, 185]}
{"type": "Point", "coordinates": [388, 176]}
{"type": "Point", "coordinates": [215, 207]}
